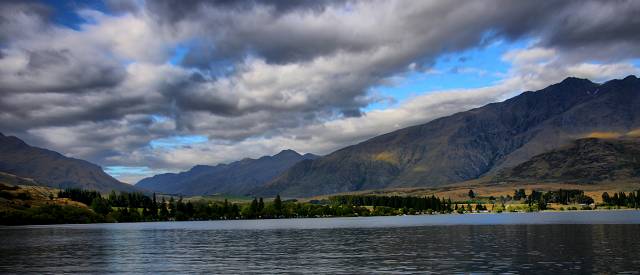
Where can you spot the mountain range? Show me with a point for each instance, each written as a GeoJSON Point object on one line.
{"type": "Point", "coordinates": [49, 168]}
{"type": "Point", "coordinates": [575, 131]}
{"type": "Point", "coordinates": [236, 178]}
{"type": "Point", "coordinates": [470, 144]}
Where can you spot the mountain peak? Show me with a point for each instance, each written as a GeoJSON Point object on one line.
{"type": "Point", "coordinates": [286, 152]}
{"type": "Point", "coordinates": [575, 80]}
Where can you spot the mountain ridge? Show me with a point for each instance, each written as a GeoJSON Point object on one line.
{"type": "Point", "coordinates": [237, 178]}
{"type": "Point", "coordinates": [469, 144]}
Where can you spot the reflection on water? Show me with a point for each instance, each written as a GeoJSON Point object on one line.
{"type": "Point", "coordinates": [359, 245]}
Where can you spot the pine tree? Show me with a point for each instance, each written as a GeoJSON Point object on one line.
{"type": "Point", "coordinates": [253, 208]}
{"type": "Point", "coordinates": [277, 205]}
{"type": "Point", "coordinates": [605, 198]}
{"type": "Point", "coordinates": [260, 206]}
{"type": "Point", "coordinates": [154, 207]}
{"type": "Point", "coordinates": [172, 208]}
{"type": "Point", "coordinates": [164, 212]}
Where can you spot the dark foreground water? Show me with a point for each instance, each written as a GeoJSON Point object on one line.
{"type": "Point", "coordinates": [564, 242]}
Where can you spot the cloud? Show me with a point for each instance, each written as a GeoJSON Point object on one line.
{"type": "Point", "coordinates": [261, 76]}
{"type": "Point", "coordinates": [598, 30]}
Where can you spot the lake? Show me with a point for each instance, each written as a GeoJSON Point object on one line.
{"type": "Point", "coordinates": [575, 242]}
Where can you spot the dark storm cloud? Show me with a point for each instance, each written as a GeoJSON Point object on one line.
{"type": "Point", "coordinates": [230, 37]}
{"type": "Point", "coordinates": [172, 11]}
{"type": "Point", "coordinates": [606, 30]}
{"type": "Point", "coordinates": [10, 17]}
{"type": "Point", "coordinates": [122, 6]}
{"type": "Point", "coordinates": [59, 71]}
{"type": "Point", "coordinates": [351, 113]}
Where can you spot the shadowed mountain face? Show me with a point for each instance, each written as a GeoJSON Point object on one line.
{"type": "Point", "coordinates": [53, 169]}
{"type": "Point", "coordinates": [470, 144]}
{"type": "Point", "coordinates": [236, 178]}
{"type": "Point", "coordinates": [589, 160]}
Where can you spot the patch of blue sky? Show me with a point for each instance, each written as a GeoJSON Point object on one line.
{"type": "Point", "coordinates": [119, 171]}
{"type": "Point", "coordinates": [177, 141]}
{"type": "Point", "coordinates": [473, 68]}
{"type": "Point", "coordinates": [212, 65]}
{"type": "Point", "coordinates": [159, 118]}
{"type": "Point", "coordinates": [65, 12]}
{"type": "Point", "coordinates": [178, 54]}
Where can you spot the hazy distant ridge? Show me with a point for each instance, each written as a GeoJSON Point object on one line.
{"type": "Point", "coordinates": [234, 178]}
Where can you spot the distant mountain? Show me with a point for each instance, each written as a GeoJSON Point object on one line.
{"type": "Point", "coordinates": [236, 178]}
{"type": "Point", "coordinates": [589, 160]}
{"type": "Point", "coordinates": [52, 169]}
{"type": "Point", "coordinates": [470, 144]}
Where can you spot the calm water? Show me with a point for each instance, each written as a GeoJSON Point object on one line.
{"type": "Point", "coordinates": [565, 242]}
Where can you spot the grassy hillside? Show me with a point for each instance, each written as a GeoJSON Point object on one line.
{"type": "Point", "coordinates": [29, 204]}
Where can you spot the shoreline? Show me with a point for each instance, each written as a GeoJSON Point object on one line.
{"type": "Point", "coordinates": [447, 215]}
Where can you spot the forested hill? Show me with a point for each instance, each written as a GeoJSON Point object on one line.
{"type": "Point", "coordinates": [470, 144]}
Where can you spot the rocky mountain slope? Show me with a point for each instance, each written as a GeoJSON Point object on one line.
{"type": "Point", "coordinates": [52, 169]}
{"type": "Point", "coordinates": [470, 144]}
{"type": "Point", "coordinates": [236, 178]}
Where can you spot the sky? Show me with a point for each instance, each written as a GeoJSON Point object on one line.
{"type": "Point", "coordinates": [145, 87]}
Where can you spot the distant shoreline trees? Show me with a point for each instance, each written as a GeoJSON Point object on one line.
{"type": "Point", "coordinates": [631, 200]}
{"type": "Point", "coordinates": [138, 207]}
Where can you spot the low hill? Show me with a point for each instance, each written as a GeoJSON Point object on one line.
{"type": "Point", "coordinates": [236, 178]}
{"type": "Point", "coordinates": [52, 169]}
{"type": "Point", "coordinates": [588, 161]}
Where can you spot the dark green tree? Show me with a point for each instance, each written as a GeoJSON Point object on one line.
{"type": "Point", "coordinates": [260, 206]}
{"type": "Point", "coordinates": [101, 206]}
{"type": "Point", "coordinates": [277, 205]}
{"type": "Point", "coordinates": [173, 210]}
{"type": "Point", "coordinates": [164, 212]}
{"type": "Point", "coordinates": [253, 209]}
{"type": "Point", "coordinates": [153, 208]}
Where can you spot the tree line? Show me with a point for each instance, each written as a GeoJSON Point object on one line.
{"type": "Point", "coordinates": [419, 204]}
{"type": "Point", "coordinates": [631, 200]}
{"type": "Point", "coordinates": [135, 207]}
